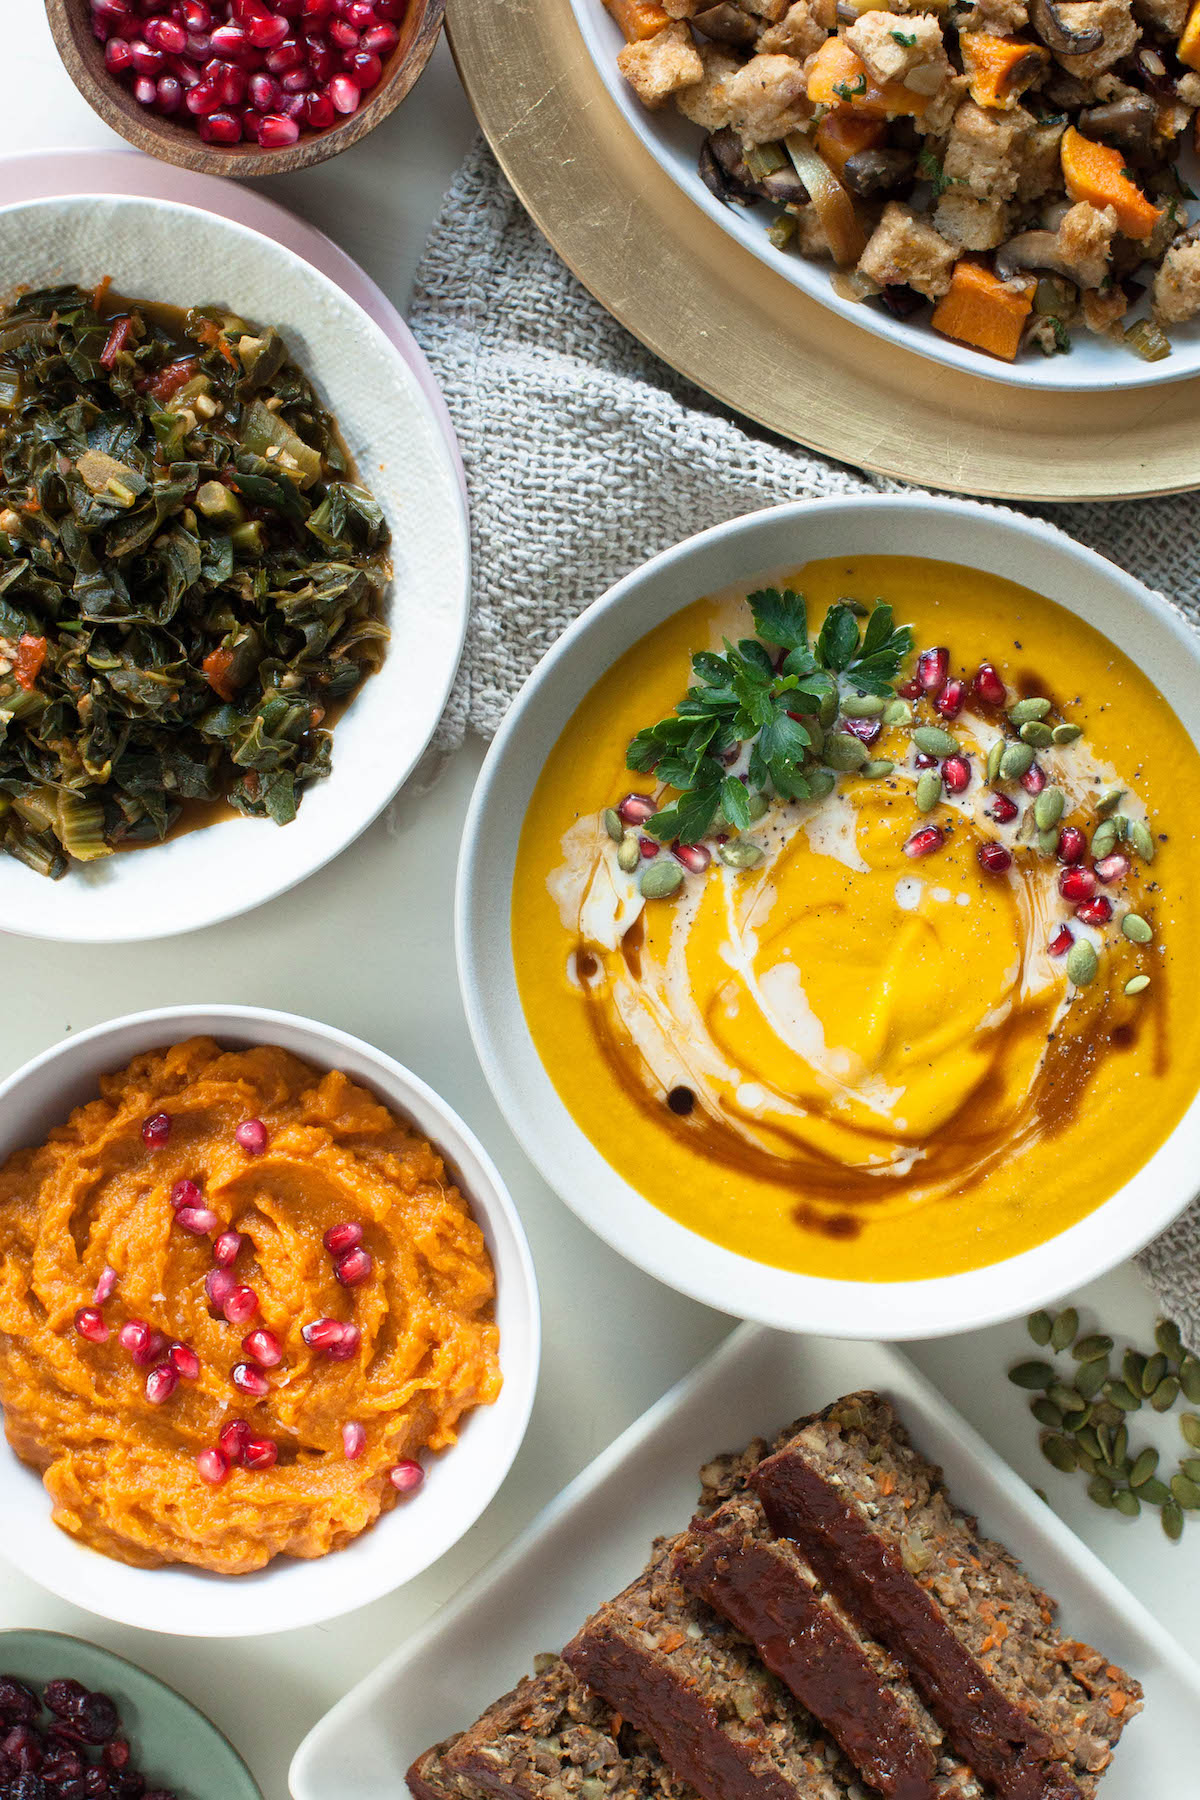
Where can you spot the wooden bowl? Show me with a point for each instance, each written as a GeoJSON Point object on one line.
{"type": "Point", "coordinates": [83, 54]}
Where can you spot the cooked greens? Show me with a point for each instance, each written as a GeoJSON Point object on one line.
{"type": "Point", "coordinates": [189, 576]}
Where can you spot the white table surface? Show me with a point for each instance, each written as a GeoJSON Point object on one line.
{"type": "Point", "coordinates": [367, 945]}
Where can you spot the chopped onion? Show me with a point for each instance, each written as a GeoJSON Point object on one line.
{"type": "Point", "coordinates": [835, 209]}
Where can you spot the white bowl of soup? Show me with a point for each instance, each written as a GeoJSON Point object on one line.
{"type": "Point", "coordinates": [866, 1010]}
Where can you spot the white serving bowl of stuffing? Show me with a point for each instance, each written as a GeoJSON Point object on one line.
{"type": "Point", "coordinates": [178, 257]}
{"type": "Point", "coordinates": [1010, 280]}
{"type": "Point", "coordinates": [442, 1288]}
{"type": "Point", "coordinates": [697, 1026]}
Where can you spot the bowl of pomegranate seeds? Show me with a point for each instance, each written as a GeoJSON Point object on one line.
{"type": "Point", "coordinates": [244, 87]}
{"type": "Point", "coordinates": [77, 1720]}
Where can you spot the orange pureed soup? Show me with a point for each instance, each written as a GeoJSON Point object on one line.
{"type": "Point", "coordinates": [904, 1036]}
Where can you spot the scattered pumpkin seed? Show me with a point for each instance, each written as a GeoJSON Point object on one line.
{"type": "Point", "coordinates": [934, 741]}
{"type": "Point", "coordinates": [1061, 1452]}
{"type": "Point", "coordinates": [1155, 1492]}
{"type": "Point", "coordinates": [660, 878]}
{"type": "Point", "coordinates": [1039, 1325]}
{"type": "Point", "coordinates": [897, 712]}
{"type": "Point", "coordinates": [629, 853]}
{"type": "Point", "coordinates": [1086, 1349]}
{"type": "Point", "coordinates": [929, 790]}
{"type": "Point", "coordinates": [1104, 838]}
{"type": "Point", "coordinates": [994, 758]}
{"type": "Point", "coordinates": [1153, 1371]}
{"type": "Point", "coordinates": [816, 733]}
{"type": "Point", "coordinates": [821, 783]}
{"type": "Point", "coordinates": [1140, 838]}
{"type": "Point", "coordinates": [1022, 711]}
{"type": "Point", "coordinates": [1186, 1491]}
{"type": "Point", "coordinates": [1017, 760]}
{"type": "Point", "coordinates": [1133, 1365]}
{"type": "Point", "coordinates": [1047, 841]}
{"type": "Point", "coordinates": [1065, 1329]}
{"type": "Point", "coordinates": [1048, 808]}
{"type": "Point", "coordinates": [876, 769]}
{"type": "Point", "coordinates": [1172, 1518]}
{"type": "Point", "coordinates": [613, 824]}
{"type": "Point", "coordinates": [827, 712]}
{"type": "Point", "coordinates": [1144, 1466]}
{"type": "Point", "coordinates": [1067, 734]}
{"type": "Point", "coordinates": [1165, 1394]}
{"type": "Point", "coordinates": [862, 706]}
{"type": "Point", "coordinates": [1123, 1397]}
{"type": "Point", "coordinates": [1088, 1463]}
{"type": "Point", "coordinates": [1045, 1412]}
{"type": "Point", "coordinates": [843, 751]}
{"type": "Point", "coordinates": [1082, 963]}
{"type": "Point", "coordinates": [1137, 984]}
{"type": "Point", "coordinates": [1100, 1489]}
{"type": "Point", "coordinates": [740, 853]}
{"type": "Point", "coordinates": [1127, 1503]}
{"type": "Point", "coordinates": [1120, 1446]}
{"type": "Point", "coordinates": [1166, 1336]}
{"type": "Point", "coordinates": [1067, 1399]}
{"type": "Point", "coordinates": [1189, 1424]}
{"type": "Point", "coordinates": [1136, 929]}
{"type": "Point", "coordinates": [1108, 801]}
{"type": "Point", "coordinates": [1122, 825]}
{"type": "Point", "coordinates": [1191, 1467]}
{"type": "Point", "coordinates": [1037, 734]}
{"type": "Point", "coordinates": [1189, 1378]}
{"type": "Point", "coordinates": [1035, 1375]}
{"type": "Point", "coordinates": [1092, 1377]}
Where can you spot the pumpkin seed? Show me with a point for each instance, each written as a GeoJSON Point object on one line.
{"type": "Point", "coordinates": [1064, 1329]}
{"type": "Point", "coordinates": [1088, 1438]}
{"type": "Point", "coordinates": [1100, 1489]}
{"type": "Point", "coordinates": [1038, 1325]}
{"type": "Point", "coordinates": [877, 769]}
{"type": "Point", "coordinates": [862, 706]}
{"type": "Point", "coordinates": [1105, 1440]}
{"type": "Point", "coordinates": [1048, 807]}
{"type": "Point", "coordinates": [843, 751]}
{"type": "Point", "coordinates": [1127, 1503]}
{"type": "Point", "coordinates": [994, 759]}
{"type": "Point", "coordinates": [929, 790]}
{"type": "Point", "coordinates": [1022, 711]}
{"type": "Point", "coordinates": [1133, 1365]}
{"type": "Point", "coordinates": [1088, 1463]}
{"type": "Point", "coordinates": [1092, 1376]}
{"type": "Point", "coordinates": [1189, 1378]}
{"type": "Point", "coordinates": [1088, 1348]}
{"type": "Point", "coordinates": [1186, 1491]}
{"type": "Point", "coordinates": [1067, 1399]}
{"type": "Point", "coordinates": [1122, 825]}
{"type": "Point", "coordinates": [828, 710]}
{"type": "Point", "coordinates": [1165, 1394]}
{"type": "Point", "coordinates": [1104, 838]}
{"type": "Point", "coordinates": [1166, 1336]}
{"type": "Point", "coordinates": [821, 783]}
{"type": "Point", "coordinates": [1037, 734]}
{"type": "Point", "coordinates": [816, 733]}
{"type": "Point", "coordinates": [1061, 1452]}
{"type": "Point", "coordinates": [1082, 963]}
{"type": "Point", "coordinates": [660, 878]}
{"type": "Point", "coordinates": [1154, 1492]}
{"type": "Point", "coordinates": [1139, 837]}
{"type": "Point", "coordinates": [613, 824]}
{"type": "Point", "coordinates": [629, 855]}
{"type": "Point", "coordinates": [759, 807]}
{"type": "Point", "coordinates": [1046, 1413]}
{"type": "Point", "coordinates": [1136, 929]}
{"type": "Point", "coordinates": [1067, 734]}
{"type": "Point", "coordinates": [1189, 1424]}
{"type": "Point", "coordinates": [1191, 1467]}
{"type": "Point", "coordinates": [1108, 801]}
{"type": "Point", "coordinates": [1123, 1397]}
{"type": "Point", "coordinates": [1016, 761]}
{"type": "Point", "coordinates": [1120, 1446]}
{"type": "Point", "coordinates": [1145, 1463]}
{"type": "Point", "coordinates": [1153, 1372]}
{"type": "Point", "coordinates": [1137, 984]}
{"type": "Point", "coordinates": [1033, 1375]}
{"type": "Point", "coordinates": [1172, 1519]}
{"type": "Point", "coordinates": [740, 853]}
{"type": "Point", "coordinates": [934, 741]}
{"type": "Point", "coordinates": [1047, 841]}
{"type": "Point", "coordinates": [897, 712]}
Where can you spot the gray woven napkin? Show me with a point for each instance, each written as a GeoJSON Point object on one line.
{"type": "Point", "coordinates": [585, 455]}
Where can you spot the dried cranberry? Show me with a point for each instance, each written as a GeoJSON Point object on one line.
{"type": "Point", "coordinates": [24, 1746]}
{"type": "Point", "coordinates": [17, 1704]}
{"type": "Point", "coordinates": [115, 1754]}
{"type": "Point", "coordinates": [66, 1698]}
{"type": "Point", "coordinates": [98, 1719]}
{"type": "Point", "coordinates": [27, 1787]}
{"type": "Point", "coordinates": [98, 1784]}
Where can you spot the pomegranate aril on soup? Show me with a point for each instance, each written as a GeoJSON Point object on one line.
{"type": "Point", "coordinates": [353, 1268]}
{"type": "Point", "coordinates": [988, 687]}
{"type": "Point", "coordinates": [933, 666]}
{"type": "Point", "coordinates": [260, 1453]}
{"type": "Point", "coordinates": [252, 1135]}
{"type": "Point", "coordinates": [1072, 845]}
{"type": "Point", "coordinates": [89, 1323]}
{"type": "Point", "coordinates": [263, 1347]}
{"type": "Point", "coordinates": [956, 774]}
{"type": "Point", "coordinates": [1002, 809]}
{"type": "Point", "coordinates": [951, 698]}
{"type": "Point", "coordinates": [161, 1384]}
{"type": "Point", "coordinates": [226, 1247]}
{"type": "Point", "coordinates": [213, 1466]}
{"type": "Point", "coordinates": [407, 1476]}
{"type": "Point", "coordinates": [346, 1236]}
{"type": "Point", "coordinates": [156, 1130]}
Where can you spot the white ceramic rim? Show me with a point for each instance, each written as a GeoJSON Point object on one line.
{"type": "Point", "coordinates": [674, 143]}
{"type": "Point", "coordinates": [289, 1593]}
{"type": "Point", "coordinates": [366, 797]}
{"type": "Point", "coordinates": [567, 1159]}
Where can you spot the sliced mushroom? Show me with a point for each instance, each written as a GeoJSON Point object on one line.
{"type": "Point", "coordinates": [1129, 122]}
{"type": "Point", "coordinates": [724, 173]}
{"type": "Point", "coordinates": [1057, 35]}
{"type": "Point", "coordinates": [726, 24]}
{"type": "Point", "coordinates": [1041, 250]}
{"type": "Point", "coordinates": [878, 171]}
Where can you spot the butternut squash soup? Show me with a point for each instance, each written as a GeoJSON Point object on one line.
{"type": "Point", "coordinates": [870, 967]}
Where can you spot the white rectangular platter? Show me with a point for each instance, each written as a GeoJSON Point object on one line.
{"type": "Point", "coordinates": [595, 1537]}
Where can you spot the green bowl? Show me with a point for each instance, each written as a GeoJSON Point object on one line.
{"type": "Point", "coordinates": [174, 1745]}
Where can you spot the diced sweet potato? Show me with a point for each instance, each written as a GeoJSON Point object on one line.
{"type": "Point", "coordinates": [984, 311]}
{"type": "Point", "coordinates": [1000, 68]}
{"type": "Point", "coordinates": [837, 77]}
{"type": "Point", "coordinates": [1097, 173]}
{"type": "Point", "coordinates": [638, 19]}
{"type": "Point", "coordinates": [1189, 44]}
{"type": "Point", "coordinates": [843, 133]}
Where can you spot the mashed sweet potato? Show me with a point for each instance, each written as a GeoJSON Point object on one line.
{"type": "Point", "coordinates": [121, 1470]}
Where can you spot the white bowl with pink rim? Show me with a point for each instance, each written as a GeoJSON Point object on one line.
{"type": "Point", "coordinates": [460, 1482]}
{"type": "Point", "coordinates": [745, 552]}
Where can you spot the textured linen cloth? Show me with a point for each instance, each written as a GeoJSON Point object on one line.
{"type": "Point", "coordinates": [585, 456]}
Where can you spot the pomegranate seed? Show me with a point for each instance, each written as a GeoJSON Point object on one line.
{"type": "Point", "coordinates": [360, 13]}
{"type": "Point", "coordinates": [352, 1268]}
{"type": "Point", "coordinates": [649, 847]}
{"type": "Point", "coordinates": [344, 94]}
{"type": "Point", "coordinates": [347, 1236]}
{"type": "Point", "coordinates": [240, 1306]}
{"type": "Point", "coordinates": [1112, 868]}
{"type": "Point", "coordinates": [956, 774]}
{"type": "Point", "coordinates": [250, 1380]}
{"type": "Point", "coordinates": [289, 9]}
{"type": "Point", "coordinates": [988, 686]}
{"type": "Point", "coordinates": [318, 111]}
{"type": "Point", "coordinates": [142, 1341]}
{"type": "Point", "coordinates": [316, 10]}
{"type": "Point", "coordinates": [366, 69]}
{"type": "Point", "coordinates": [994, 858]}
{"type": "Point", "coordinates": [932, 668]}
{"type": "Point", "coordinates": [951, 699]}
{"type": "Point", "coordinates": [161, 1384]}
{"type": "Point", "coordinates": [924, 761]}
{"type": "Point", "coordinates": [865, 730]}
{"type": "Point", "coordinates": [1002, 809]}
{"type": "Point", "coordinates": [343, 34]}
{"type": "Point", "coordinates": [156, 1130]}
{"type": "Point", "coordinates": [226, 1247]}
{"type": "Point", "coordinates": [1034, 779]}
{"type": "Point", "coordinates": [267, 32]}
{"type": "Point", "coordinates": [90, 1325]}
{"type": "Point", "coordinates": [218, 1285]}
{"type": "Point", "coordinates": [348, 1345]}
{"type": "Point", "coordinates": [117, 59]}
{"type": "Point", "coordinates": [166, 34]}
{"type": "Point", "coordinates": [232, 86]}
{"type": "Point", "coordinates": [168, 95]}
{"type": "Point", "coordinates": [233, 1439]}
{"type": "Point", "coordinates": [1071, 844]}
{"type": "Point", "coordinates": [296, 81]}
{"type": "Point", "coordinates": [1077, 884]}
{"type": "Point", "coordinates": [202, 99]}
{"type": "Point", "coordinates": [251, 124]}
{"type": "Point", "coordinates": [251, 1134]}
{"type": "Point", "coordinates": [145, 90]}
{"type": "Point", "coordinates": [1095, 912]}
{"type": "Point", "coordinates": [289, 55]}
{"type": "Point", "coordinates": [186, 1193]}
{"type": "Point", "coordinates": [382, 39]}
{"type": "Point", "coordinates": [184, 1361]}
{"type": "Point", "coordinates": [105, 1285]}
{"type": "Point", "coordinates": [922, 842]}
{"type": "Point", "coordinates": [354, 1441]}
{"type": "Point", "coordinates": [112, 12]}
{"type": "Point", "coordinates": [1061, 942]}
{"type": "Point", "coordinates": [264, 1347]}
{"type": "Point", "coordinates": [321, 1334]}
{"type": "Point", "coordinates": [199, 49]}
{"type": "Point", "coordinates": [909, 690]}
{"type": "Point", "coordinates": [144, 60]}
{"type": "Point", "coordinates": [264, 93]}
{"type": "Point", "coordinates": [212, 1466]}
{"type": "Point", "coordinates": [221, 128]}
{"type": "Point", "coordinates": [693, 856]}
{"type": "Point", "coordinates": [260, 1453]}
{"type": "Point", "coordinates": [406, 1477]}
{"type": "Point", "coordinates": [292, 107]}
{"type": "Point", "coordinates": [198, 1219]}
{"type": "Point", "coordinates": [230, 43]}
{"type": "Point", "coordinates": [194, 15]}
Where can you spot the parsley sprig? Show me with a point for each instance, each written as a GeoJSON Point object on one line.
{"type": "Point", "coordinates": [741, 697]}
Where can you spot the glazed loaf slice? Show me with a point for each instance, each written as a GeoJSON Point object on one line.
{"type": "Point", "coordinates": [1035, 1715]}
{"type": "Point", "coordinates": [766, 1587]}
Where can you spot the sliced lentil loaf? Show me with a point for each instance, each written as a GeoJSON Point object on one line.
{"type": "Point", "coordinates": [1037, 1716]}
{"type": "Point", "coordinates": [721, 1720]}
{"type": "Point", "coordinates": [766, 1587]}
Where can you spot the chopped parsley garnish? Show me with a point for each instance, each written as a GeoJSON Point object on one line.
{"type": "Point", "coordinates": [905, 38]}
{"type": "Point", "coordinates": [930, 169]}
{"type": "Point", "coordinates": [850, 90]}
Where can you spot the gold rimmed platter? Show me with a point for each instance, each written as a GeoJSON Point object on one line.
{"type": "Point", "coordinates": [742, 331]}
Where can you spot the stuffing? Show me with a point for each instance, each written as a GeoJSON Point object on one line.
{"type": "Point", "coordinates": [770, 10]}
{"type": "Point", "coordinates": [1003, 18]}
{"type": "Point", "coordinates": [892, 46]}
{"type": "Point", "coordinates": [683, 9]}
{"type": "Point", "coordinates": [1085, 236]}
{"type": "Point", "coordinates": [1188, 89]}
{"type": "Point", "coordinates": [662, 64]}
{"type": "Point", "coordinates": [906, 250]}
{"type": "Point", "coordinates": [1168, 17]}
{"type": "Point", "coordinates": [971, 223]}
{"type": "Point", "coordinates": [1102, 308]}
{"type": "Point", "coordinates": [706, 102]}
{"type": "Point", "coordinates": [767, 98]}
{"type": "Point", "coordinates": [985, 150]}
{"type": "Point", "coordinates": [1041, 165]}
{"type": "Point", "coordinates": [936, 119]}
{"type": "Point", "coordinates": [1177, 284]}
{"type": "Point", "coordinates": [810, 237]}
{"type": "Point", "coordinates": [799, 33]}
{"type": "Point", "coordinates": [1114, 18]}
